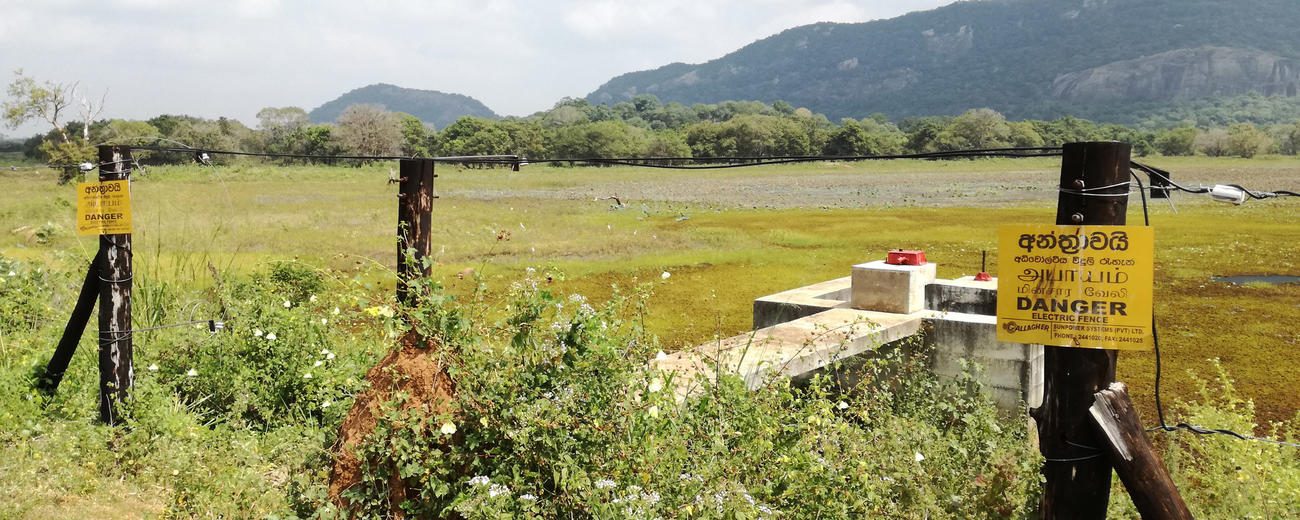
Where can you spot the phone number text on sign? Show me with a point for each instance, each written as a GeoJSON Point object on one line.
{"type": "Point", "coordinates": [1076, 286]}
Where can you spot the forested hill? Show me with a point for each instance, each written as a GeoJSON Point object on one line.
{"type": "Point", "coordinates": [1110, 60]}
{"type": "Point", "coordinates": [437, 108]}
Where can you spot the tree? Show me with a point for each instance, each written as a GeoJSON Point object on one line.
{"type": "Point", "coordinates": [1023, 134]}
{"type": "Point", "coordinates": [474, 136]}
{"type": "Point", "coordinates": [1244, 140]}
{"type": "Point", "coordinates": [979, 128]}
{"type": "Point", "coordinates": [600, 139]}
{"type": "Point", "coordinates": [370, 130]}
{"type": "Point", "coordinates": [1289, 140]}
{"type": "Point", "coordinates": [1213, 143]}
{"type": "Point", "coordinates": [866, 138]}
{"type": "Point", "coordinates": [1177, 141]}
{"type": "Point", "coordinates": [281, 129]}
{"type": "Point", "coordinates": [29, 100]}
{"type": "Point", "coordinates": [49, 102]}
{"type": "Point", "coordinates": [417, 139]}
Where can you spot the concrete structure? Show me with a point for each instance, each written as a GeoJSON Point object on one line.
{"type": "Point", "coordinates": [802, 331]}
{"type": "Point", "coordinates": [878, 286]}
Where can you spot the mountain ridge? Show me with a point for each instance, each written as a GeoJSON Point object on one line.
{"type": "Point", "coordinates": [431, 106]}
{"type": "Point", "coordinates": [1005, 55]}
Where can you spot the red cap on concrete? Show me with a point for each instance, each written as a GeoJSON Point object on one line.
{"type": "Point", "coordinates": [905, 257]}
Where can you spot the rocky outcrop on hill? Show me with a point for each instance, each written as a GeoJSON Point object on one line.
{"type": "Point", "coordinates": [1182, 74]}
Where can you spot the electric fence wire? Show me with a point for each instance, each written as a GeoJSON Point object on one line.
{"type": "Point", "coordinates": [1165, 180]}
{"type": "Point", "coordinates": [1155, 340]}
{"type": "Point", "coordinates": [644, 162]}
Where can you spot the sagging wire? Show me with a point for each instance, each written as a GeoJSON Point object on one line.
{"type": "Point", "coordinates": [1155, 341]}
{"type": "Point", "coordinates": [1229, 193]}
{"type": "Point", "coordinates": [643, 162]}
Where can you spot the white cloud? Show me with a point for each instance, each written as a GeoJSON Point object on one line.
{"type": "Point", "coordinates": [517, 56]}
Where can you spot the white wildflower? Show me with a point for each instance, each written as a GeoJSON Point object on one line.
{"type": "Point", "coordinates": [605, 483]}
{"type": "Point", "coordinates": [498, 489]}
{"type": "Point", "coordinates": [324, 321]}
{"type": "Point", "coordinates": [843, 405]}
{"type": "Point", "coordinates": [749, 499]}
{"type": "Point", "coordinates": [270, 337]}
{"type": "Point", "coordinates": [765, 510]}
{"type": "Point", "coordinates": [656, 385]}
{"type": "Point", "coordinates": [257, 332]}
{"type": "Point", "coordinates": [326, 404]}
{"type": "Point", "coordinates": [654, 412]}
{"type": "Point", "coordinates": [661, 356]}
{"type": "Point", "coordinates": [479, 480]}
{"type": "Point", "coordinates": [919, 457]}
{"type": "Point", "coordinates": [307, 375]}
{"type": "Point", "coordinates": [318, 363]}
{"type": "Point", "coordinates": [529, 270]}
{"type": "Point", "coordinates": [324, 351]}
{"type": "Point", "coordinates": [191, 372]}
{"type": "Point", "coordinates": [527, 496]}
{"type": "Point", "coordinates": [448, 428]}
{"type": "Point", "coordinates": [312, 299]}
{"type": "Point", "coordinates": [12, 274]}
{"type": "Point", "coordinates": [329, 356]}
{"type": "Point", "coordinates": [336, 311]}
{"type": "Point", "coordinates": [288, 304]}
{"type": "Point", "coordinates": [665, 275]}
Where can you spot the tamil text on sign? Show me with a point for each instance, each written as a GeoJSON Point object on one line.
{"type": "Point", "coordinates": [1076, 286]}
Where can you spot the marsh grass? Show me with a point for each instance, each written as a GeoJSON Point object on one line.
{"type": "Point", "coordinates": [726, 237]}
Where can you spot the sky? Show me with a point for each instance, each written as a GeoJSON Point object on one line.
{"type": "Point", "coordinates": [231, 58]}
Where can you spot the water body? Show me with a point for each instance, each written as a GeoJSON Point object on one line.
{"type": "Point", "coordinates": [1273, 279]}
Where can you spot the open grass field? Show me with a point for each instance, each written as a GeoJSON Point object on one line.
{"type": "Point", "coordinates": [725, 236]}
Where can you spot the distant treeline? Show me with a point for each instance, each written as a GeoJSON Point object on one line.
{"type": "Point", "coordinates": [644, 127]}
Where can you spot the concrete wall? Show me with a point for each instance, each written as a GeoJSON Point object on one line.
{"type": "Point", "coordinates": [959, 318]}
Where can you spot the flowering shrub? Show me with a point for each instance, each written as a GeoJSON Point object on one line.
{"type": "Point", "coordinates": [24, 296]}
{"type": "Point", "coordinates": [281, 359]}
{"type": "Point", "coordinates": [558, 415]}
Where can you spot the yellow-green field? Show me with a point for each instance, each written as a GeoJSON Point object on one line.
{"type": "Point", "coordinates": [726, 237]}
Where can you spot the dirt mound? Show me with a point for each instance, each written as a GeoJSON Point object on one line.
{"type": "Point", "coordinates": [415, 368]}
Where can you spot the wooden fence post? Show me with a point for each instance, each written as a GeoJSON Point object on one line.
{"type": "Point", "coordinates": [116, 370]}
{"type": "Point", "coordinates": [414, 222]}
{"type": "Point", "coordinates": [58, 365]}
{"type": "Point", "coordinates": [1144, 476]}
{"type": "Point", "coordinates": [1078, 470]}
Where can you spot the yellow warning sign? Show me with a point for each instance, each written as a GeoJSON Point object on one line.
{"type": "Point", "coordinates": [1076, 286]}
{"type": "Point", "coordinates": [104, 208]}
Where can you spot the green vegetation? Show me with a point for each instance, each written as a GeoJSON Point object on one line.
{"type": "Point", "coordinates": [436, 108]}
{"type": "Point", "coordinates": [247, 435]}
{"type": "Point", "coordinates": [1017, 57]}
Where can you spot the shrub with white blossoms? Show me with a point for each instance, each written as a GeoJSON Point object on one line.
{"type": "Point", "coordinates": [274, 363]}
{"type": "Point", "coordinates": [558, 416]}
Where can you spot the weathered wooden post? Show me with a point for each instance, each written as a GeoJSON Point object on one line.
{"type": "Point", "coordinates": [58, 365]}
{"type": "Point", "coordinates": [1077, 471]}
{"type": "Point", "coordinates": [116, 370]}
{"type": "Point", "coordinates": [414, 222]}
{"type": "Point", "coordinates": [1144, 476]}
